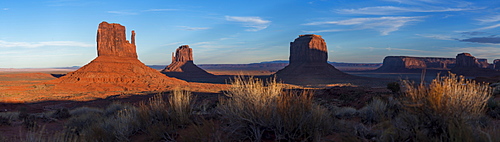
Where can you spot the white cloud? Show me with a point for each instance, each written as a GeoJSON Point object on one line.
{"type": "Point", "coordinates": [384, 25]}
{"type": "Point", "coordinates": [161, 10]}
{"type": "Point", "coordinates": [488, 27]}
{"type": "Point", "coordinates": [46, 43]}
{"type": "Point", "coordinates": [5, 8]}
{"type": "Point", "coordinates": [489, 19]}
{"type": "Point", "coordinates": [255, 23]}
{"type": "Point", "coordinates": [390, 10]}
{"type": "Point", "coordinates": [122, 13]}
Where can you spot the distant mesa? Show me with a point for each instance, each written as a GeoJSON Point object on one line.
{"type": "Point", "coordinates": [409, 64]}
{"type": "Point", "coordinates": [116, 68]}
{"type": "Point", "coordinates": [183, 67]}
{"type": "Point", "coordinates": [469, 65]}
{"type": "Point", "coordinates": [496, 64]}
{"type": "Point", "coordinates": [308, 63]}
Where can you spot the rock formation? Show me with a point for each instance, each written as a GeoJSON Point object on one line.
{"type": "Point", "coordinates": [409, 64]}
{"type": "Point", "coordinates": [469, 65]}
{"type": "Point", "coordinates": [308, 63]}
{"type": "Point", "coordinates": [183, 67]}
{"type": "Point", "coordinates": [496, 63]}
{"type": "Point", "coordinates": [116, 68]}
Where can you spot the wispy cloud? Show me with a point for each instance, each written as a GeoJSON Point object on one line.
{"type": "Point", "coordinates": [395, 49]}
{"type": "Point", "coordinates": [327, 31]}
{"type": "Point", "coordinates": [384, 25]}
{"type": "Point", "coordinates": [4, 44]}
{"type": "Point", "coordinates": [437, 36]}
{"type": "Point", "coordinates": [489, 19]}
{"type": "Point", "coordinates": [5, 8]}
{"type": "Point", "coordinates": [255, 23]}
{"type": "Point", "coordinates": [161, 10]}
{"type": "Point", "coordinates": [488, 27]}
{"type": "Point", "coordinates": [123, 12]}
{"type": "Point", "coordinates": [391, 10]}
{"type": "Point", "coordinates": [194, 28]}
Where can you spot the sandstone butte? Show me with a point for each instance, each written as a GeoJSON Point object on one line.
{"type": "Point", "coordinates": [183, 66]}
{"type": "Point", "coordinates": [469, 65]}
{"type": "Point", "coordinates": [408, 64]}
{"type": "Point", "coordinates": [308, 63]}
{"type": "Point", "coordinates": [116, 67]}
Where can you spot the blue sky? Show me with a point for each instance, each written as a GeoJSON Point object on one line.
{"type": "Point", "coordinates": [59, 33]}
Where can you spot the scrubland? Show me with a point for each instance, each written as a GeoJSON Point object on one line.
{"type": "Point", "coordinates": [450, 108]}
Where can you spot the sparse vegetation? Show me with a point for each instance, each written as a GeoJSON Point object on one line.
{"type": "Point", "coordinates": [256, 110]}
{"type": "Point", "coordinates": [450, 108]}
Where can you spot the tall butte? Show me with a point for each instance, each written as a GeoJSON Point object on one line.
{"type": "Point", "coordinates": [308, 63]}
{"type": "Point", "coordinates": [116, 67]}
{"type": "Point", "coordinates": [183, 67]}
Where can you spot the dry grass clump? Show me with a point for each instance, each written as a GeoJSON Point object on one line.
{"type": "Point", "coordinates": [258, 110]}
{"type": "Point", "coordinates": [161, 119]}
{"type": "Point", "coordinates": [445, 110]}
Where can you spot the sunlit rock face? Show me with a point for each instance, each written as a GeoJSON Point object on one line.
{"type": "Point", "coordinates": [407, 63]}
{"type": "Point", "coordinates": [182, 65]}
{"type": "Point", "coordinates": [308, 63]}
{"type": "Point", "coordinates": [116, 68]}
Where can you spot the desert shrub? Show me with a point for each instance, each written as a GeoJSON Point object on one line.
{"type": "Point", "coordinates": [258, 110]}
{"type": "Point", "coordinates": [118, 127]}
{"type": "Point", "coordinates": [181, 104]}
{"type": "Point", "coordinates": [85, 110]}
{"type": "Point", "coordinates": [161, 119]}
{"type": "Point", "coordinates": [345, 112]}
{"type": "Point", "coordinates": [442, 111]}
{"type": "Point", "coordinates": [6, 118]}
{"type": "Point", "coordinates": [374, 112]}
{"type": "Point", "coordinates": [493, 108]}
{"type": "Point", "coordinates": [394, 87]}
{"type": "Point", "coordinates": [115, 108]}
{"type": "Point", "coordinates": [61, 113]}
{"type": "Point", "coordinates": [79, 123]}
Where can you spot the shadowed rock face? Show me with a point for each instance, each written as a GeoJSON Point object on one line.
{"type": "Point", "coordinates": [406, 63]}
{"type": "Point", "coordinates": [183, 67]}
{"type": "Point", "coordinates": [469, 65]}
{"type": "Point", "coordinates": [116, 68]}
{"type": "Point", "coordinates": [496, 62]}
{"type": "Point", "coordinates": [308, 63]}
{"type": "Point", "coordinates": [466, 60]}
{"type": "Point", "coordinates": [308, 49]}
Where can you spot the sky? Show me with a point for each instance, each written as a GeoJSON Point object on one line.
{"type": "Point", "coordinates": [61, 33]}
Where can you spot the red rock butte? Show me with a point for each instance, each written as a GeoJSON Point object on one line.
{"type": "Point", "coordinates": [308, 63]}
{"type": "Point", "coordinates": [116, 68]}
{"type": "Point", "coordinates": [183, 67]}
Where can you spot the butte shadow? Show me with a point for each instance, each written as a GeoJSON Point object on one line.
{"type": "Point", "coordinates": [309, 66]}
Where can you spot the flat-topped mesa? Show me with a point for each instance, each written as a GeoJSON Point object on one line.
{"type": "Point", "coordinates": [111, 41]}
{"type": "Point", "coordinates": [408, 63]}
{"type": "Point", "coordinates": [308, 48]}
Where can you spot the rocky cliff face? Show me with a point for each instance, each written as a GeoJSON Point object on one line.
{"type": "Point", "coordinates": [116, 68]}
{"type": "Point", "coordinates": [111, 41]}
{"type": "Point", "coordinates": [308, 49]}
{"type": "Point", "coordinates": [183, 67]}
{"type": "Point", "coordinates": [466, 60]}
{"type": "Point", "coordinates": [406, 63]}
{"type": "Point", "coordinates": [496, 63]}
{"type": "Point", "coordinates": [308, 63]}
{"type": "Point", "coordinates": [469, 65]}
